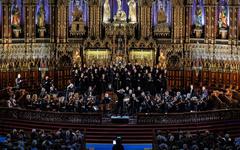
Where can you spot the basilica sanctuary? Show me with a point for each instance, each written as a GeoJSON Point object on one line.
{"type": "Point", "coordinates": [80, 72]}
{"type": "Point", "coordinates": [197, 41]}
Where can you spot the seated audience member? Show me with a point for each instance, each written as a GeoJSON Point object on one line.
{"type": "Point", "coordinates": [197, 141]}
{"type": "Point", "coordinates": [12, 102]}
{"type": "Point", "coordinates": [62, 139]}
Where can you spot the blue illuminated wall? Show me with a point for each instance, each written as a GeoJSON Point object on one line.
{"type": "Point", "coordinates": [167, 7]}
{"type": "Point", "coordinates": [194, 11]}
{"type": "Point", "coordinates": [1, 18]}
{"type": "Point", "coordinates": [83, 6]}
{"type": "Point", "coordinates": [1, 12]}
{"type": "Point", "coordinates": [46, 8]}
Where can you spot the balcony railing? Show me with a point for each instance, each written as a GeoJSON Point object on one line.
{"type": "Point", "coordinates": [189, 117]}
{"type": "Point", "coordinates": [32, 115]}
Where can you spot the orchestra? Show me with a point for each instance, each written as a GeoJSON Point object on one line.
{"type": "Point", "coordinates": [119, 90]}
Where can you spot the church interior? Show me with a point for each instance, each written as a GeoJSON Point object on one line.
{"type": "Point", "coordinates": [165, 73]}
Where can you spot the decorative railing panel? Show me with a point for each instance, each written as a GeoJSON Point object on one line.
{"type": "Point", "coordinates": [189, 117]}
{"type": "Point", "coordinates": [142, 118]}
{"type": "Point", "coordinates": [56, 117]}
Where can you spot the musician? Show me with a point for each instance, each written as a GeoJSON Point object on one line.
{"type": "Point", "coordinates": [43, 103]}
{"type": "Point", "coordinates": [159, 84]}
{"type": "Point", "coordinates": [201, 104]}
{"type": "Point", "coordinates": [106, 101]}
{"type": "Point", "coordinates": [70, 103]}
{"type": "Point", "coordinates": [116, 81]}
{"type": "Point", "coordinates": [103, 83]}
{"type": "Point", "coordinates": [168, 102]}
{"type": "Point", "coordinates": [90, 91]}
{"type": "Point", "coordinates": [128, 79]}
{"type": "Point", "coordinates": [178, 101]}
{"type": "Point", "coordinates": [150, 84]}
{"type": "Point", "coordinates": [192, 91]}
{"type": "Point", "coordinates": [138, 80]}
{"type": "Point", "coordinates": [120, 95]}
{"type": "Point", "coordinates": [76, 75]}
{"type": "Point", "coordinates": [42, 92]}
{"type": "Point", "coordinates": [62, 104]}
{"type": "Point", "coordinates": [47, 84]}
{"type": "Point", "coordinates": [134, 101]}
{"type": "Point", "coordinates": [187, 102]}
{"type": "Point", "coordinates": [70, 87]}
{"type": "Point", "coordinates": [28, 102]}
{"type": "Point", "coordinates": [204, 93]}
{"type": "Point", "coordinates": [159, 106]}
{"type": "Point", "coordinates": [53, 89]}
{"type": "Point", "coordinates": [11, 102]}
{"type": "Point", "coordinates": [19, 82]}
{"type": "Point", "coordinates": [35, 102]}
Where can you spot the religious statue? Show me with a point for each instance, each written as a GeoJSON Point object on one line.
{"type": "Point", "coordinates": [16, 17]}
{"type": "Point", "coordinates": [162, 61]}
{"type": "Point", "coordinates": [107, 12]}
{"type": "Point", "coordinates": [77, 26]}
{"type": "Point", "coordinates": [162, 18]}
{"type": "Point", "coordinates": [223, 18]}
{"type": "Point", "coordinates": [41, 17]}
{"type": "Point", "coordinates": [119, 5]}
{"type": "Point", "coordinates": [162, 28]}
{"type": "Point", "coordinates": [77, 14]}
{"type": "Point", "coordinates": [132, 11]}
{"type": "Point", "coordinates": [198, 16]}
{"type": "Point", "coordinates": [121, 15]}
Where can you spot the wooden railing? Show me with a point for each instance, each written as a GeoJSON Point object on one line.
{"type": "Point", "coordinates": [32, 115]}
{"type": "Point", "coordinates": [189, 117]}
{"type": "Point", "coordinates": [142, 118]}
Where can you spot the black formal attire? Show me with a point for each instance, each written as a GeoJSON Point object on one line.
{"type": "Point", "coordinates": [116, 83]}
{"type": "Point", "coordinates": [47, 84]}
{"type": "Point", "coordinates": [120, 96]}
{"type": "Point", "coordinates": [19, 83]}
{"type": "Point", "coordinates": [118, 147]}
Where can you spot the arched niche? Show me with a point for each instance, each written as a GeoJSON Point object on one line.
{"type": "Point", "coordinates": [223, 19]}
{"type": "Point", "coordinates": [42, 19]}
{"type": "Point", "coordinates": [82, 5]}
{"type": "Point", "coordinates": [17, 18]}
{"type": "Point", "coordinates": [167, 7]}
{"type": "Point", "coordinates": [198, 19]}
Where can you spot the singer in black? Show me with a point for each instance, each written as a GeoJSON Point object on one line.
{"type": "Point", "coordinates": [47, 84]}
